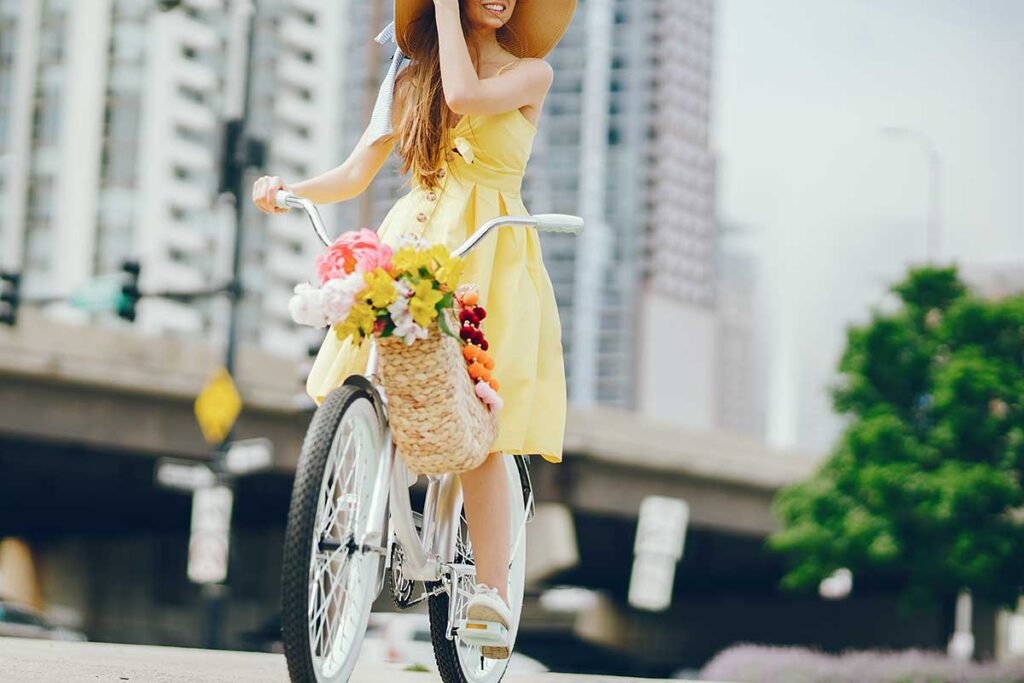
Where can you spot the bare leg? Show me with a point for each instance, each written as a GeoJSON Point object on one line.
{"type": "Point", "coordinates": [485, 491]}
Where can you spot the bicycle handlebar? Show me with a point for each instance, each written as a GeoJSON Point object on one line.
{"type": "Point", "coordinates": [287, 200]}
{"type": "Point", "coordinates": [545, 222]}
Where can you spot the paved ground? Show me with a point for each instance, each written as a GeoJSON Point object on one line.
{"type": "Point", "coordinates": [37, 661]}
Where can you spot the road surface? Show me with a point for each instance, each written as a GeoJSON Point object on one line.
{"type": "Point", "coordinates": [40, 661]}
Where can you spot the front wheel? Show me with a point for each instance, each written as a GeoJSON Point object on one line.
{"type": "Point", "coordinates": [328, 579]}
{"type": "Point", "coordinates": [459, 662]}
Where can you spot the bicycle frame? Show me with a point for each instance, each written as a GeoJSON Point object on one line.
{"type": "Point", "coordinates": [426, 554]}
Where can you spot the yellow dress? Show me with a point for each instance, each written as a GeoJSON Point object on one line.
{"type": "Point", "coordinates": [483, 181]}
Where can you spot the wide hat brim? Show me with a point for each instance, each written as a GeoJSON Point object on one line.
{"type": "Point", "coordinates": [535, 28]}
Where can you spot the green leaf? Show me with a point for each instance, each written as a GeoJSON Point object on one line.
{"type": "Point", "coordinates": [442, 321]}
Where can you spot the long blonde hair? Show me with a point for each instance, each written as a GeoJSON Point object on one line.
{"type": "Point", "coordinates": [424, 133]}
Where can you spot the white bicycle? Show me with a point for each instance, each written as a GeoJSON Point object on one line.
{"type": "Point", "coordinates": [352, 527]}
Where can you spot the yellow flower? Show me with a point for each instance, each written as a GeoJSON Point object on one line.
{"type": "Point", "coordinates": [380, 288]}
{"type": "Point", "coordinates": [358, 324]}
{"type": "Point", "coordinates": [449, 267]}
{"type": "Point", "coordinates": [423, 302]}
{"type": "Point", "coordinates": [410, 260]}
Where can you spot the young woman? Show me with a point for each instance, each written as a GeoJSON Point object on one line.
{"type": "Point", "coordinates": [464, 117]}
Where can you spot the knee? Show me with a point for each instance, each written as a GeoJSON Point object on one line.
{"type": "Point", "coordinates": [486, 465]}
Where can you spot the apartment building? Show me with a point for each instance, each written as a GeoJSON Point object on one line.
{"type": "Point", "coordinates": [110, 129]}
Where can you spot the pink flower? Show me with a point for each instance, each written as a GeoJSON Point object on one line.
{"type": "Point", "coordinates": [356, 251]}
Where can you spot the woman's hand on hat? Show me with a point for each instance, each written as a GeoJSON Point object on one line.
{"type": "Point", "coordinates": [264, 193]}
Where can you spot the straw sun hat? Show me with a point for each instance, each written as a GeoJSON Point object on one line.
{"type": "Point", "coordinates": [535, 28]}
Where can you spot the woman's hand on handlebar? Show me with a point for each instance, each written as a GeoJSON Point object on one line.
{"type": "Point", "coordinates": [264, 192]}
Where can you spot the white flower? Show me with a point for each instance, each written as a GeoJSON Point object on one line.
{"type": "Point", "coordinates": [340, 295]}
{"type": "Point", "coordinates": [407, 330]}
{"type": "Point", "coordinates": [307, 306]}
{"type": "Point", "coordinates": [465, 149]}
{"type": "Point", "coordinates": [404, 289]}
{"type": "Point", "coordinates": [399, 309]}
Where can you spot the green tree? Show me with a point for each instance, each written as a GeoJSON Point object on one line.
{"type": "Point", "coordinates": [925, 481]}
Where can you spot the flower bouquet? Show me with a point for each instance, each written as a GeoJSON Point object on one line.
{"type": "Point", "coordinates": [442, 397]}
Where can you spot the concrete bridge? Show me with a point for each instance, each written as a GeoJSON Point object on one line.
{"type": "Point", "coordinates": [110, 389]}
{"type": "Point", "coordinates": [84, 410]}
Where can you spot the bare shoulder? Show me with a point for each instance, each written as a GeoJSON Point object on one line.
{"type": "Point", "coordinates": [538, 69]}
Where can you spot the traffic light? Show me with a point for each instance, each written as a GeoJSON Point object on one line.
{"type": "Point", "coordinates": [130, 293]}
{"type": "Point", "coordinates": [10, 297]}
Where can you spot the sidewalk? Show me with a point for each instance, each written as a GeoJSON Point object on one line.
{"type": "Point", "coordinates": [40, 661]}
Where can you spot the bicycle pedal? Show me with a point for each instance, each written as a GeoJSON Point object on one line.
{"type": "Point", "coordinates": [483, 633]}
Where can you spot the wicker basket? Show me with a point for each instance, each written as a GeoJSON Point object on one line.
{"type": "Point", "coordinates": [438, 423]}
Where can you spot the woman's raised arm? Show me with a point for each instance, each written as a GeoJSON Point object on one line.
{"type": "Point", "coordinates": [467, 93]}
{"type": "Point", "coordinates": [344, 182]}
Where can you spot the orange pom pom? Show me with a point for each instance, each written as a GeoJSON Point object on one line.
{"type": "Point", "coordinates": [486, 375]}
{"type": "Point", "coordinates": [470, 298]}
{"type": "Point", "coordinates": [476, 371]}
{"type": "Point", "coordinates": [488, 363]}
{"type": "Point", "coordinates": [494, 384]}
{"type": "Point", "coordinates": [471, 352]}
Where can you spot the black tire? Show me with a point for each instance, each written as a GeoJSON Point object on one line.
{"type": "Point", "coordinates": [446, 652]}
{"type": "Point", "coordinates": [300, 531]}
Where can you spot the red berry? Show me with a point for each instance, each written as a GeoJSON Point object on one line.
{"type": "Point", "coordinates": [467, 332]}
{"type": "Point", "coordinates": [465, 315]}
{"type": "Point", "coordinates": [478, 338]}
{"type": "Point", "coordinates": [480, 313]}
{"type": "Point", "coordinates": [483, 344]}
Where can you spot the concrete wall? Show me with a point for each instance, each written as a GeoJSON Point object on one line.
{"type": "Point", "coordinates": [676, 375]}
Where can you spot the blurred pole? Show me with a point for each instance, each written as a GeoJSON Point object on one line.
{"type": "Point", "coordinates": [931, 153]}
{"type": "Point", "coordinates": [236, 152]}
{"type": "Point", "coordinates": [237, 156]}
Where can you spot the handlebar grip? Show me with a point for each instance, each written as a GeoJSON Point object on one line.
{"type": "Point", "coordinates": [282, 198]}
{"type": "Point", "coordinates": [559, 222]}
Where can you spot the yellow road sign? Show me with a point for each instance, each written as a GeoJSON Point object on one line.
{"type": "Point", "coordinates": [217, 406]}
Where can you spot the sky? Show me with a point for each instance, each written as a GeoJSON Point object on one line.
{"type": "Point", "coordinates": [836, 210]}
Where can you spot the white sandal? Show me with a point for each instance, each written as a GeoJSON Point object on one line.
{"type": "Point", "coordinates": [487, 623]}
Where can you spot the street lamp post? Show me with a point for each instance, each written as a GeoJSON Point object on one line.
{"type": "Point", "coordinates": [931, 153]}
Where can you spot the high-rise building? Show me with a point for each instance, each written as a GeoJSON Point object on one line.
{"type": "Point", "coordinates": [624, 143]}
{"type": "Point", "coordinates": [741, 358]}
{"type": "Point", "coordinates": [677, 339]}
{"type": "Point", "coordinates": [110, 115]}
{"type": "Point", "coordinates": [299, 108]}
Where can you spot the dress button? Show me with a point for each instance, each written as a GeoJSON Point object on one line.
{"type": "Point", "coordinates": [431, 196]}
{"type": "Point", "coordinates": [421, 217]}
